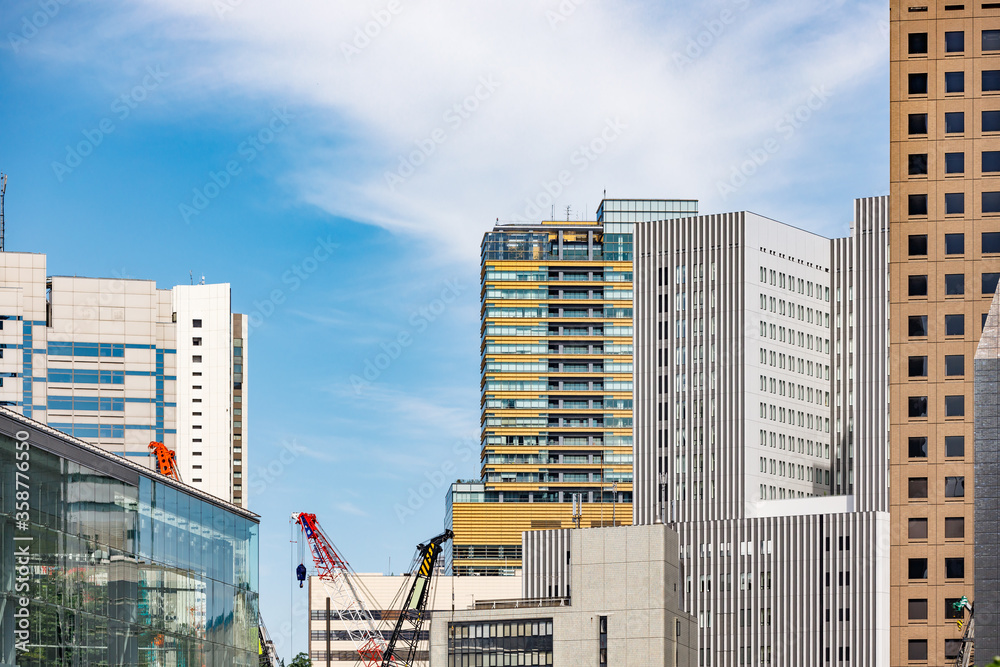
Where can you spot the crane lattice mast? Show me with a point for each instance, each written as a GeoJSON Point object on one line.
{"type": "Point", "coordinates": [337, 576]}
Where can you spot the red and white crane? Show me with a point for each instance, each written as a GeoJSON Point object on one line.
{"type": "Point", "coordinates": [337, 577]}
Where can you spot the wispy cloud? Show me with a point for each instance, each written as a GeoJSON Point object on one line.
{"type": "Point", "coordinates": [559, 83]}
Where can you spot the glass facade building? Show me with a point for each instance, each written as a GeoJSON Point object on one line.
{"type": "Point", "coordinates": [105, 563]}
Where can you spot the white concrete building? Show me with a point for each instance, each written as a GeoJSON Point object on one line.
{"type": "Point", "coordinates": [749, 410]}
{"type": "Point", "coordinates": [120, 363]}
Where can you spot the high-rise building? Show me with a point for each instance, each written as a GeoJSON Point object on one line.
{"type": "Point", "coordinates": [556, 383]}
{"type": "Point", "coordinates": [758, 439]}
{"type": "Point", "coordinates": [944, 219]}
{"type": "Point", "coordinates": [103, 562]}
{"type": "Point", "coordinates": [120, 363]}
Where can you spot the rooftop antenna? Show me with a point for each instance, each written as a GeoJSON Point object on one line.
{"type": "Point", "coordinates": [3, 190]}
{"type": "Point", "coordinates": [567, 213]}
{"type": "Point", "coordinates": [191, 276]}
{"type": "Point", "coordinates": [203, 280]}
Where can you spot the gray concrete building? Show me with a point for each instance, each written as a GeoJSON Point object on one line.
{"type": "Point", "coordinates": [759, 437]}
{"type": "Point", "coordinates": [595, 596]}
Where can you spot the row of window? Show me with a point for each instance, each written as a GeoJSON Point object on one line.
{"type": "Point", "coordinates": [954, 41]}
{"type": "Point", "coordinates": [954, 325]}
{"type": "Point", "coordinates": [954, 284]}
{"type": "Point", "coordinates": [954, 203]}
{"type": "Point", "coordinates": [783, 388]}
{"type": "Point", "coordinates": [788, 281]}
{"type": "Point", "coordinates": [954, 406]}
{"type": "Point", "coordinates": [954, 528]}
{"type": "Point", "coordinates": [954, 163]}
{"type": "Point", "coordinates": [954, 366]}
{"type": "Point", "coordinates": [954, 122]}
{"type": "Point", "coordinates": [804, 446]}
{"type": "Point", "coordinates": [954, 244]}
{"type": "Point", "coordinates": [917, 487]}
{"type": "Point", "coordinates": [954, 82]}
{"type": "Point", "coordinates": [954, 446]}
{"type": "Point", "coordinates": [954, 568]}
{"type": "Point", "coordinates": [917, 649]}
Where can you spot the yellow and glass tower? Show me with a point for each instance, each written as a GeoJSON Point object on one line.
{"type": "Point", "coordinates": [556, 383]}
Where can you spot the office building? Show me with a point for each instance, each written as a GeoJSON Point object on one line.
{"type": "Point", "coordinates": [329, 642]}
{"type": "Point", "coordinates": [595, 596]}
{"type": "Point", "coordinates": [103, 562]}
{"type": "Point", "coordinates": [120, 363]}
{"type": "Point", "coordinates": [757, 438]}
{"type": "Point", "coordinates": [944, 222]}
{"type": "Point", "coordinates": [556, 383]}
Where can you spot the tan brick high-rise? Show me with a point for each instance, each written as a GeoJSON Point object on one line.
{"type": "Point", "coordinates": [945, 261]}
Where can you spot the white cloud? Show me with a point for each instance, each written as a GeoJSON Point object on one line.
{"type": "Point", "coordinates": [555, 87]}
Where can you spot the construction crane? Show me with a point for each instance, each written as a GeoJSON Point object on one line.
{"type": "Point", "coordinates": [338, 579]}
{"type": "Point", "coordinates": [267, 655]}
{"type": "Point", "coordinates": [967, 652]}
{"type": "Point", "coordinates": [402, 647]}
{"type": "Point", "coordinates": [166, 459]}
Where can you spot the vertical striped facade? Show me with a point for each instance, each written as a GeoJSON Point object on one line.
{"type": "Point", "coordinates": [749, 402]}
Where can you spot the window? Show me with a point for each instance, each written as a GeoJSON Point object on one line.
{"type": "Point", "coordinates": [917, 325]}
{"type": "Point", "coordinates": [917, 122]}
{"type": "Point", "coordinates": [991, 202]}
{"type": "Point", "coordinates": [954, 487]}
{"type": "Point", "coordinates": [991, 80]}
{"type": "Point", "coordinates": [916, 649]}
{"type": "Point", "coordinates": [954, 163]}
{"type": "Point", "coordinates": [954, 325]}
{"type": "Point", "coordinates": [954, 364]}
{"type": "Point", "coordinates": [990, 282]}
{"type": "Point", "coordinates": [918, 568]}
{"type": "Point", "coordinates": [954, 82]}
{"type": "Point", "coordinates": [991, 121]}
{"type": "Point", "coordinates": [196, 358]}
{"type": "Point", "coordinates": [916, 487]}
{"type": "Point", "coordinates": [918, 42]}
{"type": "Point", "coordinates": [952, 647]}
{"type": "Point", "coordinates": [918, 164]}
{"type": "Point", "coordinates": [918, 285]}
{"type": "Point", "coordinates": [918, 244]}
{"type": "Point", "coordinates": [954, 244]}
{"type": "Point", "coordinates": [918, 406]}
{"type": "Point", "coordinates": [196, 341]}
{"type": "Point", "coordinates": [918, 83]}
{"type": "Point", "coordinates": [954, 568]}
{"type": "Point", "coordinates": [918, 447]}
{"type": "Point", "coordinates": [954, 527]}
{"type": "Point", "coordinates": [954, 42]}
{"type": "Point", "coordinates": [917, 529]}
{"type": "Point", "coordinates": [917, 205]}
{"type": "Point", "coordinates": [954, 122]}
{"type": "Point", "coordinates": [954, 445]}
{"type": "Point", "coordinates": [954, 283]}
{"type": "Point", "coordinates": [954, 203]}
{"type": "Point", "coordinates": [196, 324]}
{"type": "Point", "coordinates": [991, 40]}
{"type": "Point", "coordinates": [917, 609]}
{"type": "Point", "coordinates": [918, 367]}
{"type": "Point", "coordinates": [991, 241]}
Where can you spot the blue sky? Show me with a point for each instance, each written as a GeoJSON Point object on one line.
{"type": "Point", "coordinates": [239, 140]}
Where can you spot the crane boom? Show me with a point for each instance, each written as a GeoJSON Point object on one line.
{"type": "Point", "coordinates": [337, 576]}
{"type": "Point", "coordinates": [402, 647]}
